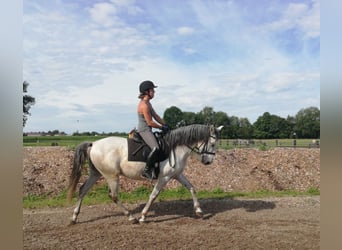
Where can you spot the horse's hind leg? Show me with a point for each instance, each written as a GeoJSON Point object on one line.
{"type": "Point", "coordinates": [113, 184]}
{"type": "Point", "coordinates": [94, 176]}
{"type": "Point", "coordinates": [184, 181]}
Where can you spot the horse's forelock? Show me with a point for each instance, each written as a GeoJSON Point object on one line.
{"type": "Point", "coordinates": [188, 135]}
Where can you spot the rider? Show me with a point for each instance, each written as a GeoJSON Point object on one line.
{"type": "Point", "coordinates": [148, 119]}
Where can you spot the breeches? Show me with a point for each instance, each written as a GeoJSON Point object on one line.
{"type": "Point", "coordinates": [149, 139]}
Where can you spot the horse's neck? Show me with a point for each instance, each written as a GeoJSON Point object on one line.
{"type": "Point", "coordinates": [183, 152]}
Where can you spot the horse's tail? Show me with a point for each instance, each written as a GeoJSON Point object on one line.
{"type": "Point", "coordinates": [80, 158]}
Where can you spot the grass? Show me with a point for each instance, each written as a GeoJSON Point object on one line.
{"type": "Point", "coordinates": [73, 141]}
{"type": "Point", "coordinates": [65, 140]}
{"type": "Point", "coordinates": [99, 195]}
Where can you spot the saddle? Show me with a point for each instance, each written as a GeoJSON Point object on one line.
{"type": "Point", "coordinates": [138, 150]}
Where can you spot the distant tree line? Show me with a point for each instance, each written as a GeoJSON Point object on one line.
{"type": "Point", "coordinates": [93, 133]}
{"type": "Point", "coordinates": [305, 124]}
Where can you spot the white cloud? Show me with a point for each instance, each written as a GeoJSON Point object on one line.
{"type": "Point", "coordinates": [185, 30]}
{"type": "Point", "coordinates": [123, 2]}
{"type": "Point", "coordinates": [290, 81]}
{"type": "Point", "coordinates": [128, 6]}
{"type": "Point", "coordinates": [299, 16]}
{"type": "Point", "coordinates": [189, 51]}
{"type": "Point", "coordinates": [104, 14]}
{"type": "Point", "coordinates": [310, 23]}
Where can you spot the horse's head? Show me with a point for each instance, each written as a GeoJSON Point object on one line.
{"type": "Point", "coordinates": [208, 149]}
{"type": "Point", "coordinates": [198, 138]}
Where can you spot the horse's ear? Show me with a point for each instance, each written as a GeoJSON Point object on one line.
{"type": "Point", "coordinates": [219, 128]}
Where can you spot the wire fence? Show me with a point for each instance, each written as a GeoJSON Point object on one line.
{"type": "Point", "coordinates": [269, 143]}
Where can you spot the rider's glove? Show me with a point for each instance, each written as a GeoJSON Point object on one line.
{"type": "Point", "coordinates": [165, 129]}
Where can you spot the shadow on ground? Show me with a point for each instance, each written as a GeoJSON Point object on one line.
{"type": "Point", "coordinates": [184, 208]}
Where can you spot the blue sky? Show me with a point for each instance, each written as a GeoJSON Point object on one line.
{"type": "Point", "coordinates": [84, 60]}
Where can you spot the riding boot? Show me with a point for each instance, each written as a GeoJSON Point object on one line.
{"type": "Point", "coordinates": [150, 163]}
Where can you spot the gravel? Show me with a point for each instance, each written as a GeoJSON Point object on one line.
{"type": "Point", "coordinates": [46, 170]}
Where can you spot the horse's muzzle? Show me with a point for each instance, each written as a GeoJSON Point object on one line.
{"type": "Point", "coordinates": [206, 160]}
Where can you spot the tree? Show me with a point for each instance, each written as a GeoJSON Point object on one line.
{"type": "Point", "coordinates": [270, 126]}
{"type": "Point", "coordinates": [291, 121]}
{"type": "Point", "coordinates": [234, 126]}
{"type": "Point", "coordinates": [28, 101]}
{"type": "Point", "coordinates": [280, 127]}
{"type": "Point", "coordinates": [308, 123]}
{"type": "Point", "coordinates": [245, 130]}
{"type": "Point", "coordinates": [221, 118]}
{"type": "Point", "coordinates": [262, 126]}
{"type": "Point", "coordinates": [206, 115]}
{"type": "Point", "coordinates": [173, 116]}
{"type": "Point", "coordinates": [189, 118]}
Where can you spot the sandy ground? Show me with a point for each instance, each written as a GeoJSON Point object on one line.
{"type": "Point", "coordinates": [268, 223]}
{"type": "Point", "coordinates": [272, 223]}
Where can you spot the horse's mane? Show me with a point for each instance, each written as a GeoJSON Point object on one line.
{"type": "Point", "coordinates": [188, 135]}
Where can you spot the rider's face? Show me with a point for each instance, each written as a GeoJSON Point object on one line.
{"type": "Point", "coordinates": [151, 93]}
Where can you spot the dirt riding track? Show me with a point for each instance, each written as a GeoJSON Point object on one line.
{"type": "Point", "coordinates": [267, 223]}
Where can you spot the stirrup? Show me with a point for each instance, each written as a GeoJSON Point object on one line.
{"type": "Point", "coordinates": [149, 176]}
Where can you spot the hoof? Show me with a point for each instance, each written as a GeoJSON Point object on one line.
{"type": "Point", "coordinates": [199, 212]}
{"type": "Point", "coordinates": [142, 220]}
{"type": "Point", "coordinates": [72, 223]}
{"type": "Point", "coordinates": [133, 220]}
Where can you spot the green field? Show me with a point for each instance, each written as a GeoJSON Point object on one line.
{"type": "Point", "coordinates": [65, 140]}
{"type": "Point", "coordinates": [73, 141]}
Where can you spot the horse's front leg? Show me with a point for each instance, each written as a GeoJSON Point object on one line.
{"type": "Point", "coordinates": [184, 181]}
{"type": "Point", "coordinates": [156, 190]}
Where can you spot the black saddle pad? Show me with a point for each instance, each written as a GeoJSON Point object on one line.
{"type": "Point", "coordinates": [139, 150]}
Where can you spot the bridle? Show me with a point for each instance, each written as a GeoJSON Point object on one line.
{"type": "Point", "coordinates": [204, 148]}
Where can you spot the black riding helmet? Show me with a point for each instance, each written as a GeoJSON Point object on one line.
{"type": "Point", "coordinates": [146, 85]}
